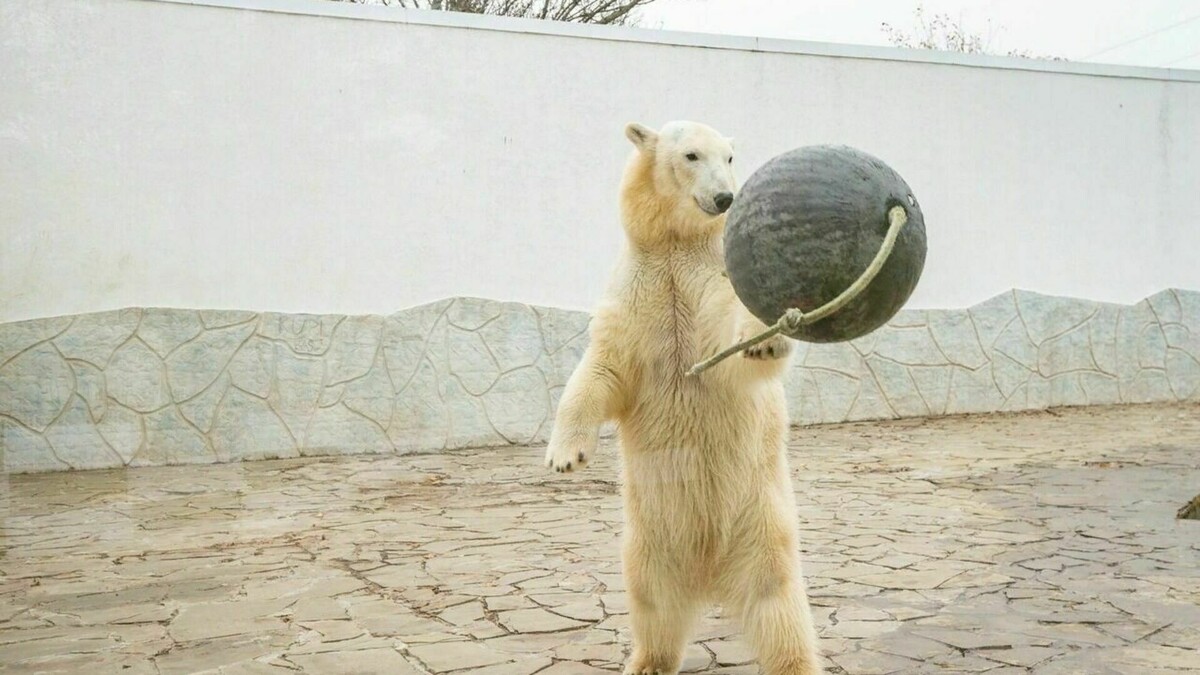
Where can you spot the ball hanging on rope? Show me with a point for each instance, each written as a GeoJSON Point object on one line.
{"type": "Point", "coordinates": [806, 225]}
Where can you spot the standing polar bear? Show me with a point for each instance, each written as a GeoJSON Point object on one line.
{"type": "Point", "coordinates": [710, 515]}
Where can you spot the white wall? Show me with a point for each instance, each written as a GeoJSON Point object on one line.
{"type": "Point", "coordinates": [174, 154]}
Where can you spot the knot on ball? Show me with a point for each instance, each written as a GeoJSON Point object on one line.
{"type": "Point", "coordinates": [791, 322]}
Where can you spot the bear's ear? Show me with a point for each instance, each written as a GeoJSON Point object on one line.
{"type": "Point", "coordinates": [644, 138]}
{"type": "Point", "coordinates": [729, 140]}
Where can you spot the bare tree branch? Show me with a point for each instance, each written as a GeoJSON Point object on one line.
{"type": "Point", "coordinates": [613, 12]}
{"type": "Point", "coordinates": [943, 33]}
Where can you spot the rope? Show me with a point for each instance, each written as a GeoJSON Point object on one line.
{"type": "Point", "coordinates": [793, 319]}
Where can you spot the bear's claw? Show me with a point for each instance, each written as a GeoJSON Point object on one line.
{"type": "Point", "coordinates": [563, 461]}
{"type": "Point", "coordinates": [773, 348]}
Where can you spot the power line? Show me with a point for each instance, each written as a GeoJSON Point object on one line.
{"type": "Point", "coordinates": [1141, 37]}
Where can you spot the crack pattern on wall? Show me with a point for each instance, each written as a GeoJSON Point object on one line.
{"type": "Point", "coordinates": [140, 387]}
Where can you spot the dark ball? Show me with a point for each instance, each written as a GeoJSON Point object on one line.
{"type": "Point", "coordinates": [807, 224]}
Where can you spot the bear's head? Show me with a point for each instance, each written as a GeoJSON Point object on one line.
{"type": "Point", "coordinates": [686, 167]}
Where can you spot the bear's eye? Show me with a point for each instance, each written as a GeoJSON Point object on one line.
{"type": "Point", "coordinates": [731, 160]}
{"type": "Point", "coordinates": [691, 156]}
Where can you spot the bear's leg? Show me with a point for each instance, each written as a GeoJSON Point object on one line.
{"type": "Point", "coordinates": [779, 624]}
{"type": "Point", "coordinates": [764, 583]}
{"type": "Point", "coordinates": [662, 610]}
{"type": "Point", "coordinates": [589, 399]}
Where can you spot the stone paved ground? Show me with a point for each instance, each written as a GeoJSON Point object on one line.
{"type": "Point", "coordinates": [1041, 543]}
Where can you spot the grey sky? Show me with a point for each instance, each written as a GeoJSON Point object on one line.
{"type": "Point", "coordinates": [1079, 30]}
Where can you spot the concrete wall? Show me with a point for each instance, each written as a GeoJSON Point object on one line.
{"type": "Point", "coordinates": [186, 155]}
{"type": "Point", "coordinates": [142, 387]}
{"type": "Point", "coordinates": [252, 194]}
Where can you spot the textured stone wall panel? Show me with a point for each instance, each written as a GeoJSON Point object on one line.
{"type": "Point", "coordinates": [153, 386]}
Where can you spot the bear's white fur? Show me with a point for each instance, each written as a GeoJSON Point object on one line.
{"type": "Point", "coordinates": [710, 514]}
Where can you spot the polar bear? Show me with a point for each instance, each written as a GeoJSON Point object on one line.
{"type": "Point", "coordinates": [710, 515]}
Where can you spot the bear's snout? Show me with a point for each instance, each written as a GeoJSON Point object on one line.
{"type": "Point", "coordinates": [723, 201]}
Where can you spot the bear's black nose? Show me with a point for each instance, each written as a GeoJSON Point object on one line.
{"type": "Point", "coordinates": [723, 200]}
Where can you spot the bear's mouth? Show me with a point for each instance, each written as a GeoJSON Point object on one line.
{"type": "Point", "coordinates": [710, 210]}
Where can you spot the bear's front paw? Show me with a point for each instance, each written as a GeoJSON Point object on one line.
{"type": "Point", "coordinates": [565, 456]}
{"type": "Point", "coordinates": [775, 347]}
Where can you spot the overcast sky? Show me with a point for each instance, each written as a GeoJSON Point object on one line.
{"type": "Point", "coordinates": [1162, 33]}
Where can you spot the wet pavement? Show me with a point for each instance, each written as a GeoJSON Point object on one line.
{"type": "Point", "coordinates": [1031, 543]}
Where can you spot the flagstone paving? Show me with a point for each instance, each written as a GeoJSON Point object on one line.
{"type": "Point", "coordinates": [1039, 543]}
